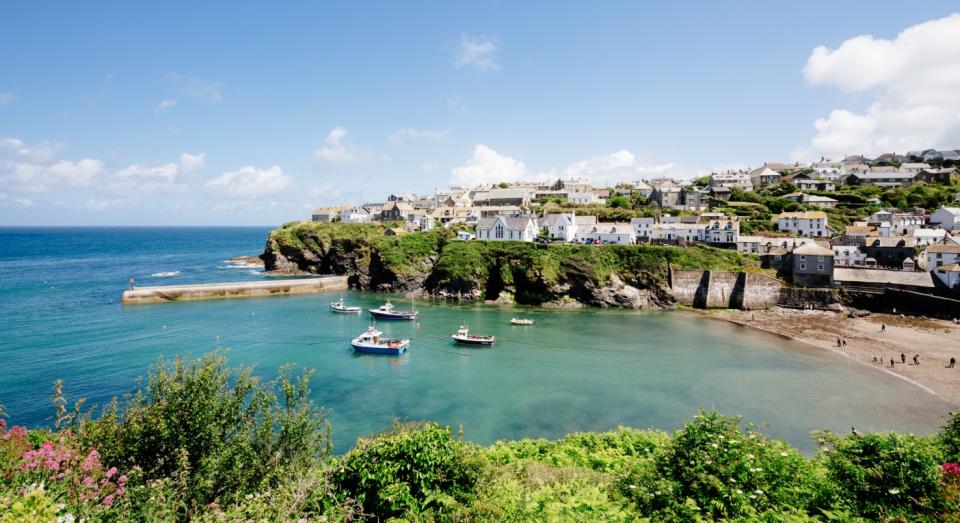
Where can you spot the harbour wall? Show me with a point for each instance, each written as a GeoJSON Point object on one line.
{"type": "Point", "coordinates": [213, 291]}
{"type": "Point", "coordinates": [724, 290]}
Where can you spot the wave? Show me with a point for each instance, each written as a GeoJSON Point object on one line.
{"type": "Point", "coordinates": [170, 274]}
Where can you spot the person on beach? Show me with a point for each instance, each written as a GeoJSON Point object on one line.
{"type": "Point", "coordinates": [953, 361]}
{"type": "Point", "coordinates": [916, 359]}
{"type": "Point", "coordinates": [891, 363]}
{"type": "Point", "coordinates": [883, 327]}
{"type": "Point", "coordinates": [874, 359]}
{"type": "Point", "coordinates": [844, 340]}
{"type": "Point", "coordinates": [903, 358]}
{"type": "Point", "coordinates": [839, 343]}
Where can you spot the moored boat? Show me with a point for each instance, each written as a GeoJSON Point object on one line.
{"type": "Point", "coordinates": [371, 342]}
{"type": "Point", "coordinates": [343, 308]}
{"type": "Point", "coordinates": [388, 312]}
{"type": "Point", "coordinates": [521, 321]}
{"type": "Point", "coordinates": [464, 337]}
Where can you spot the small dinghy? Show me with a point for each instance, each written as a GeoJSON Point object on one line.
{"type": "Point", "coordinates": [463, 337]}
{"type": "Point", "coordinates": [371, 342]}
{"type": "Point", "coordinates": [343, 308]}
{"type": "Point", "coordinates": [388, 312]}
{"type": "Point", "coordinates": [521, 321]}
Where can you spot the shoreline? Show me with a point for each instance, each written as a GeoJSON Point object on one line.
{"type": "Point", "coordinates": [935, 341]}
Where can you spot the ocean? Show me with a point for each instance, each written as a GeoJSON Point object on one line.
{"type": "Point", "coordinates": [60, 318]}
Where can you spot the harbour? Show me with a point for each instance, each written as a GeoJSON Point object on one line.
{"type": "Point", "coordinates": [212, 291]}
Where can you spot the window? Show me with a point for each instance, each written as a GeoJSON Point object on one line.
{"type": "Point", "coordinates": [803, 266]}
{"type": "Point", "coordinates": [499, 231]}
{"type": "Point", "coordinates": [820, 267]}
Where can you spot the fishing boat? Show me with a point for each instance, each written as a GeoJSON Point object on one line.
{"type": "Point", "coordinates": [343, 308]}
{"type": "Point", "coordinates": [463, 337]}
{"type": "Point", "coordinates": [371, 342]}
{"type": "Point", "coordinates": [388, 312]}
{"type": "Point", "coordinates": [521, 321]}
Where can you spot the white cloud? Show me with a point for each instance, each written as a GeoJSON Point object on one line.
{"type": "Point", "coordinates": [250, 183]}
{"type": "Point", "coordinates": [6, 97]}
{"type": "Point", "coordinates": [192, 162]}
{"type": "Point", "coordinates": [146, 179]}
{"type": "Point", "coordinates": [24, 202]}
{"type": "Point", "coordinates": [621, 166]}
{"type": "Point", "coordinates": [477, 52]}
{"type": "Point", "coordinates": [488, 166]}
{"type": "Point", "coordinates": [63, 174]}
{"type": "Point", "coordinates": [407, 135]}
{"type": "Point", "coordinates": [197, 88]}
{"type": "Point", "coordinates": [13, 149]}
{"type": "Point", "coordinates": [164, 104]}
{"type": "Point", "coordinates": [912, 79]}
{"type": "Point", "coordinates": [336, 151]}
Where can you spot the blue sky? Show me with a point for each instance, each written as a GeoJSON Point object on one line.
{"type": "Point", "coordinates": [248, 113]}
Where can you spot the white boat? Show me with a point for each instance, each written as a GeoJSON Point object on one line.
{"type": "Point", "coordinates": [343, 308]}
{"type": "Point", "coordinates": [464, 337]}
{"type": "Point", "coordinates": [371, 342]}
{"type": "Point", "coordinates": [388, 312]}
{"type": "Point", "coordinates": [521, 321]}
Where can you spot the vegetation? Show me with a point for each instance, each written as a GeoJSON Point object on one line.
{"type": "Point", "coordinates": [202, 442]}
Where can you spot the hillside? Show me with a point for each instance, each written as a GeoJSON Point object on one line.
{"type": "Point", "coordinates": [628, 276]}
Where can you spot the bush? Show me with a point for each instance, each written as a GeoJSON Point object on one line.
{"type": "Point", "coordinates": [950, 438]}
{"type": "Point", "coordinates": [714, 468]}
{"type": "Point", "coordinates": [413, 468]}
{"type": "Point", "coordinates": [885, 475]}
{"type": "Point", "coordinates": [221, 433]}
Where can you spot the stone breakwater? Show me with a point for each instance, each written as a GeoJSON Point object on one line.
{"type": "Point", "coordinates": [213, 291]}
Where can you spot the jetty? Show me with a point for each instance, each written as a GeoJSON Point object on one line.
{"type": "Point", "coordinates": [247, 289]}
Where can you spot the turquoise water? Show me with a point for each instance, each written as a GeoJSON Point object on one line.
{"type": "Point", "coordinates": [572, 371]}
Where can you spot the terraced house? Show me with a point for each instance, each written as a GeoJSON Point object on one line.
{"type": "Point", "coordinates": [806, 223]}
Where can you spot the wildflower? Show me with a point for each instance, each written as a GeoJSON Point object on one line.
{"type": "Point", "coordinates": [732, 480]}
{"type": "Point", "coordinates": [749, 456]}
{"type": "Point", "coordinates": [93, 459]}
{"type": "Point", "coordinates": [721, 437]}
{"type": "Point", "coordinates": [753, 496]}
{"type": "Point", "coordinates": [122, 479]}
{"type": "Point", "coordinates": [112, 472]}
{"type": "Point", "coordinates": [633, 486]}
{"type": "Point", "coordinates": [784, 454]}
{"type": "Point", "coordinates": [66, 518]}
{"type": "Point", "coordinates": [108, 501]}
{"type": "Point", "coordinates": [758, 491]}
{"type": "Point", "coordinates": [657, 493]}
{"type": "Point", "coordinates": [739, 491]}
{"type": "Point", "coordinates": [714, 445]}
{"type": "Point", "coordinates": [894, 491]}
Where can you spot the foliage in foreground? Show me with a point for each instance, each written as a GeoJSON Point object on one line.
{"type": "Point", "coordinates": [202, 442]}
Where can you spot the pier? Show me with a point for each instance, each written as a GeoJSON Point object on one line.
{"type": "Point", "coordinates": [247, 289]}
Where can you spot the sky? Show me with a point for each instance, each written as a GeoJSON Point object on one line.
{"type": "Point", "coordinates": [254, 113]}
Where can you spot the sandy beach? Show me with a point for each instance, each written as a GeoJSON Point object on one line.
{"type": "Point", "coordinates": [934, 341]}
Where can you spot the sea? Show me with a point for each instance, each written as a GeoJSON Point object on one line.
{"type": "Point", "coordinates": [582, 370]}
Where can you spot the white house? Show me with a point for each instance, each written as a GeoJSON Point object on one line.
{"type": "Point", "coordinates": [679, 231]}
{"type": "Point", "coordinates": [357, 215]}
{"type": "Point", "coordinates": [608, 233]}
{"type": "Point", "coordinates": [923, 237]}
{"type": "Point", "coordinates": [848, 255]}
{"type": "Point", "coordinates": [584, 198]}
{"type": "Point", "coordinates": [732, 180]}
{"type": "Point", "coordinates": [764, 176]}
{"type": "Point", "coordinates": [807, 223]}
{"type": "Point", "coordinates": [941, 254]}
{"type": "Point", "coordinates": [559, 226]}
{"type": "Point", "coordinates": [947, 218]}
{"type": "Point", "coordinates": [643, 227]}
{"type": "Point", "coordinates": [749, 244]}
{"type": "Point", "coordinates": [506, 228]}
{"type": "Point", "coordinates": [722, 231]}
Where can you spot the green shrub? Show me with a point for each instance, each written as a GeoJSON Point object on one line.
{"type": "Point", "coordinates": [885, 475]}
{"type": "Point", "coordinates": [714, 468]}
{"type": "Point", "coordinates": [950, 438]}
{"type": "Point", "coordinates": [220, 433]}
{"type": "Point", "coordinates": [413, 468]}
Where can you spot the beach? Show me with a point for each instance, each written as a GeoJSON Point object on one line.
{"type": "Point", "coordinates": [934, 341]}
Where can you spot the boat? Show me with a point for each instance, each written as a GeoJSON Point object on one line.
{"type": "Point", "coordinates": [371, 342]}
{"type": "Point", "coordinates": [463, 337]}
{"type": "Point", "coordinates": [388, 312]}
{"type": "Point", "coordinates": [521, 321]}
{"type": "Point", "coordinates": [341, 307]}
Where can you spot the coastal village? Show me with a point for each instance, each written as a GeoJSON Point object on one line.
{"type": "Point", "coordinates": [886, 222]}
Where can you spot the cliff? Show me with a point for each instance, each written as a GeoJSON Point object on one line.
{"type": "Point", "coordinates": [561, 275]}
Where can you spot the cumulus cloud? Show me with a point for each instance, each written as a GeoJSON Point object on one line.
{"type": "Point", "coordinates": [164, 105]}
{"type": "Point", "coordinates": [29, 177]}
{"type": "Point", "coordinates": [337, 151]}
{"type": "Point", "coordinates": [250, 183]}
{"type": "Point", "coordinates": [192, 162]}
{"type": "Point", "coordinates": [409, 135]}
{"type": "Point", "coordinates": [196, 88]}
{"type": "Point", "coordinates": [6, 97]}
{"type": "Point", "coordinates": [488, 166]}
{"type": "Point", "coordinates": [912, 80]}
{"type": "Point", "coordinates": [477, 52]}
{"type": "Point", "coordinates": [13, 149]}
{"type": "Point", "coordinates": [147, 179]}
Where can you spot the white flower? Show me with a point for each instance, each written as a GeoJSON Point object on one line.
{"type": "Point", "coordinates": [657, 493]}
{"type": "Point", "coordinates": [721, 437]}
{"type": "Point", "coordinates": [749, 456]}
{"type": "Point", "coordinates": [739, 491]}
{"type": "Point", "coordinates": [732, 480]}
{"type": "Point", "coordinates": [714, 445]}
{"type": "Point", "coordinates": [753, 496]}
{"type": "Point", "coordinates": [758, 491]}
{"type": "Point", "coordinates": [633, 486]}
{"type": "Point", "coordinates": [784, 454]}
{"type": "Point", "coordinates": [894, 491]}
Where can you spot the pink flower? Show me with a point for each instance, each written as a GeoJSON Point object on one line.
{"type": "Point", "coordinates": [122, 479]}
{"type": "Point", "coordinates": [112, 472]}
{"type": "Point", "coordinates": [93, 459]}
{"type": "Point", "coordinates": [951, 470]}
{"type": "Point", "coordinates": [108, 501]}
{"type": "Point", "coordinates": [88, 481]}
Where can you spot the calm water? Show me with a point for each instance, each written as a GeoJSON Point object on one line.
{"type": "Point", "coordinates": [573, 371]}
